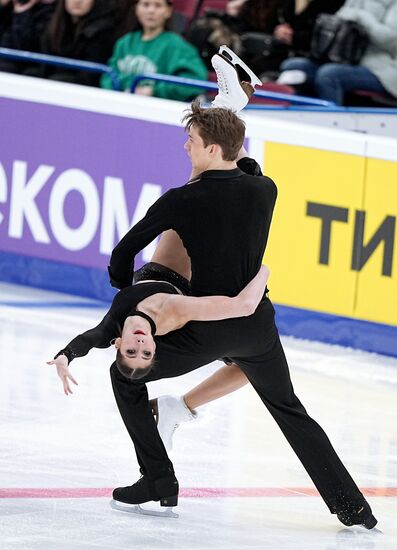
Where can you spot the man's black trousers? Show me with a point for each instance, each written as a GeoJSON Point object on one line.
{"type": "Point", "coordinates": [253, 343]}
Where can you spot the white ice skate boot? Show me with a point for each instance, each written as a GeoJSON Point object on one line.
{"type": "Point", "coordinates": [171, 411]}
{"type": "Point", "coordinates": [233, 93]}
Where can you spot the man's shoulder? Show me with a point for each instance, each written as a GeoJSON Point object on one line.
{"type": "Point", "coordinates": [264, 182]}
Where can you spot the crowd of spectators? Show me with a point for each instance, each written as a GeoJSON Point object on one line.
{"type": "Point", "coordinates": [144, 36]}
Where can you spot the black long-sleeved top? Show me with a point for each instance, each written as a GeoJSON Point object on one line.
{"type": "Point", "coordinates": [24, 33]}
{"type": "Point", "coordinates": [5, 18]}
{"type": "Point", "coordinates": [223, 219]}
{"type": "Point", "coordinates": [111, 325]}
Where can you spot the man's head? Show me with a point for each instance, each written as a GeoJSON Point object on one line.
{"type": "Point", "coordinates": [214, 134]}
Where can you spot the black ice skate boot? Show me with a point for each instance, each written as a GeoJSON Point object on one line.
{"type": "Point", "coordinates": [361, 516]}
{"type": "Point", "coordinates": [164, 490]}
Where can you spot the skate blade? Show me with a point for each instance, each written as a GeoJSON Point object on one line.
{"type": "Point", "coordinates": [233, 58]}
{"type": "Point", "coordinates": [137, 509]}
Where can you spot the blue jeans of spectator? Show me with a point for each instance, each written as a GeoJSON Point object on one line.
{"type": "Point", "coordinates": [332, 80]}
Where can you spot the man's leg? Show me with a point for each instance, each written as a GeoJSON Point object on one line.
{"type": "Point", "coordinates": [269, 375]}
{"type": "Point", "coordinates": [158, 482]}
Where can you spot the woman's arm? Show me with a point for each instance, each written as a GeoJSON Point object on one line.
{"type": "Point", "coordinates": [381, 33]}
{"type": "Point", "coordinates": [97, 337]}
{"type": "Point", "coordinates": [216, 308]}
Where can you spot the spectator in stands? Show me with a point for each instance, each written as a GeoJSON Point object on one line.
{"type": "Point", "coordinates": [263, 33]}
{"type": "Point", "coordinates": [377, 70]}
{"type": "Point", "coordinates": [290, 26]}
{"type": "Point", "coordinates": [218, 28]}
{"type": "Point", "coordinates": [5, 16]}
{"type": "Point", "coordinates": [29, 19]}
{"type": "Point", "coordinates": [150, 47]}
{"type": "Point", "coordinates": [83, 30]}
{"type": "Point", "coordinates": [297, 26]}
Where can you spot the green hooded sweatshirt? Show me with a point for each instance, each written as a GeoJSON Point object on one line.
{"type": "Point", "coordinates": [168, 53]}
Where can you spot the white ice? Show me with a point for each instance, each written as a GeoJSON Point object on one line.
{"type": "Point", "coordinates": [50, 441]}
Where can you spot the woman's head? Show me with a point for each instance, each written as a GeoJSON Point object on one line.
{"type": "Point", "coordinates": [78, 8]}
{"type": "Point", "coordinates": [135, 348]}
{"type": "Point", "coordinates": [153, 15]}
{"type": "Point", "coordinates": [67, 17]}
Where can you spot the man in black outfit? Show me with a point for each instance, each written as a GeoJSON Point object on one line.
{"type": "Point", "coordinates": [223, 217]}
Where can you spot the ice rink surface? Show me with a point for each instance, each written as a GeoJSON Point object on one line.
{"type": "Point", "coordinates": [241, 485]}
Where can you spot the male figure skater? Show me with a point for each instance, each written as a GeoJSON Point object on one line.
{"type": "Point", "coordinates": [223, 218]}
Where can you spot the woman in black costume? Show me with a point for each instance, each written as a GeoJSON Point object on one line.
{"type": "Point", "coordinates": [155, 305]}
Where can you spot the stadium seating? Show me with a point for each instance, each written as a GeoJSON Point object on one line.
{"type": "Point", "coordinates": [193, 8]}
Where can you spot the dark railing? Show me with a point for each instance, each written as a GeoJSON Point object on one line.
{"type": "Point", "coordinates": [74, 64]}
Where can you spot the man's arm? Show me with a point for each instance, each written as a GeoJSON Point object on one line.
{"type": "Point", "coordinates": [162, 215]}
{"type": "Point", "coordinates": [216, 308]}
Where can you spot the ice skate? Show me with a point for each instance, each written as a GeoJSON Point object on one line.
{"type": "Point", "coordinates": [165, 490]}
{"type": "Point", "coordinates": [234, 93]}
{"type": "Point", "coordinates": [170, 411]}
{"type": "Point", "coordinates": [137, 509]}
{"type": "Point", "coordinates": [236, 61]}
{"type": "Point", "coordinates": [363, 517]}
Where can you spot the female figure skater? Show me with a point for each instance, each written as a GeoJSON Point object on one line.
{"type": "Point", "coordinates": [154, 305]}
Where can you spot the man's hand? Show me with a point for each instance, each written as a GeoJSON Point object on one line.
{"type": "Point", "coordinates": [20, 8]}
{"type": "Point", "coordinates": [62, 365]}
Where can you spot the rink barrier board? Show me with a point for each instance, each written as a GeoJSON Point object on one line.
{"type": "Point", "coordinates": [332, 245]}
{"type": "Point", "coordinates": [56, 276]}
{"type": "Point", "coordinates": [70, 189]}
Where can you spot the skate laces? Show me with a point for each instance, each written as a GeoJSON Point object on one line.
{"type": "Point", "coordinates": [222, 82]}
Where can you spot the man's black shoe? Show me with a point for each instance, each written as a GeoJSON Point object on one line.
{"type": "Point", "coordinates": [363, 516]}
{"type": "Point", "coordinates": [165, 490]}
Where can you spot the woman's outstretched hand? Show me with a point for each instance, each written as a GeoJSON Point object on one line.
{"type": "Point", "coordinates": [62, 366]}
